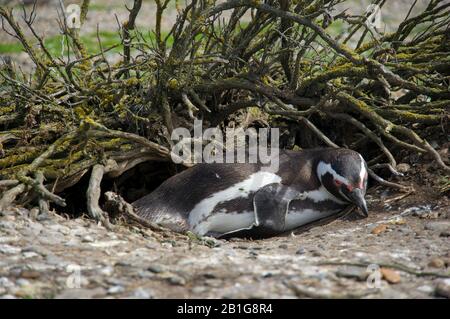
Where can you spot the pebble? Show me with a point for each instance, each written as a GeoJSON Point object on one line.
{"type": "Point", "coordinates": [6, 283]}
{"type": "Point", "coordinates": [426, 289]}
{"type": "Point", "coordinates": [379, 229]}
{"type": "Point", "coordinates": [358, 273]}
{"type": "Point", "coordinates": [438, 226]}
{"type": "Point", "coordinates": [390, 275]}
{"type": "Point", "coordinates": [436, 263]}
{"type": "Point", "coordinates": [177, 280]}
{"type": "Point", "coordinates": [315, 253]}
{"type": "Point", "coordinates": [80, 293]}
{"type": "Point", "coordinates": [445, 233]}
{"type": "Point", "coordinates": [35, 249]}
{"type": "Point", "coordinates": [87, 239]}
{"type": "Point", "coordinates": [107, 243]}
{"type": "Point", "coordinates": [403, 167]}
{"type": "Point", "coordinates": [29, 254]}
{"type": "Point", "coordinates": [43, 217]}
{"type": "Point", "coordinates": [155, 268]}
{"type": "Point", "coordinates": [116, 290]}
{"type": "Point", "coordinates": [59, 228]}
{"type": "Point", "coordinates": [107, 271]}
{"type": "Point", "coordinates": [30, 274]}
{"type": "Point", "coordinates": [199, 289]}
{"type": "Point", "coordinates": [443, 288]}
{"type": "Point", "coordinates": [22, 282]}
{"type": "Point", "coordinates": [142, 293]}
{"type": "Point", "coordinates": [9, 250]}
{"type": "Point", "coordinates": [300, 251]}
{"type": "Point", "coordinates": [6, 224]}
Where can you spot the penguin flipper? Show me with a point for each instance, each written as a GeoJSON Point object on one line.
{"type": "Point", "coordinates": [271, 204]}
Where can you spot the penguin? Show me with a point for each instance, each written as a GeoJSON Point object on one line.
{"type": "Point", "coordinates": [224, 200]}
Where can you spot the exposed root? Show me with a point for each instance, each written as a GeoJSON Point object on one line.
{"type": "Point", "coordinates": [10, 195]}
{"type": "Point", "coordinates": [94, 191]}
{"type": "Point", "coordinates": [384, 182]}
{"type": "Point", "coordinates": [116, 205]}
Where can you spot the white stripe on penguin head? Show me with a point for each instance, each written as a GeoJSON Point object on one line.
{"type": "Point", "coordinates": [324, 168]}
{"type": "Point", "coordinates": [362, 171]}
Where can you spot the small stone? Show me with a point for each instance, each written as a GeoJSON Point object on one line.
{"type": "Point", "coordinates": [439, 226]}
{"type": "Point", "coordinates": [300, 251]}
{"type": "Point", "coordinates": [116, 290]}
{"type": "Point", "coordinates": [445, 233]}
{"type": "Point", "coordinates": [9, 250]}
{"type": "Point", "coordinates": [199, 289]}
{"type": "Point", "coordinates": [426, 289]}
{"type": "Point", "coordinates": [397, 221]}
{"type": "Point", "coordinates": [122, 264]}
{"type": "Point", "coordinates": [443, 288]}
{"type": "Point", "coordinates": [390, 275]}
{"type": "Point", "coordinates": [142, 293]}
{"type": "Point", "coordinates": [358, 273]}
{"type": "Point", "coordinates": [379, 229]}
{"type": "Point", "coordinates": [436, 263]}
{"type": "Point", "coordinates": [403, 167]}
{"type": "Point", "coordinates": [59, 228]}
{"type": "Point", "coordinates": [79, 293]}
{"type": "Point", "coordinates": [155, 269]}
{"type": "Point", "coordinates": [283, 246]}
{"type": "Point", "coordinates": [43, 217]}
{"type": "Point", "coordinates": [107, 271]}
{"type": "Point", "coordinates": [6, 283]}
{"type": "Point", "coordinates": [177, 280]}
{"type": "Point", "coordinates": [29, 254]}
{"type": "Point", "coordinates": [87, 239]}
{"type": "Point", "coordinates": [145, 274]}
{"type": "Point", "coordinates": [107, 243]}
{"type": "Point", "coordinates": [30, 274]}
{"type": "Point", "coordinates": [315, 252]}
{"type": "Point", "coordinates": [446, 261]}
{"type": "Point", "coordinates": [22, 282]}
{"type": "Point", "coordinates": [53, 259]}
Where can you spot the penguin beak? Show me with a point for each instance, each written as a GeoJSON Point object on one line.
{"type": "Point", "coordinates": [357, 197]}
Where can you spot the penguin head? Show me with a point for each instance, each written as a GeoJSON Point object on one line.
{"type": "Point", "coordinates": [344, 174]}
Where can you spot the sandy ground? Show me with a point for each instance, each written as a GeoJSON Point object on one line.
{"type": "Point", "coordinates": [405, 242]}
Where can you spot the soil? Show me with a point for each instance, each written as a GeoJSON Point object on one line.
{"type": "Point", "coordinates": [400, 251]}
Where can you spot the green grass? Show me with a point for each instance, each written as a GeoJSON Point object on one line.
{"type": "Point", "coordinates": [53, 44]}
{"type": "Point", "coordinates": [6, 48]}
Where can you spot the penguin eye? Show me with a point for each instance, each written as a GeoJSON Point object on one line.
{"type": "Point", "coordinates": [337, 182]}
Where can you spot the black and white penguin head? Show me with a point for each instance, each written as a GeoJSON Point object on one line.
{"type": "Point", "coordinates": [344, 174]}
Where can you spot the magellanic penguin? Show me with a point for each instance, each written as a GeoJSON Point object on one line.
{"type": "Point", "coordinates": [245, 200]}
